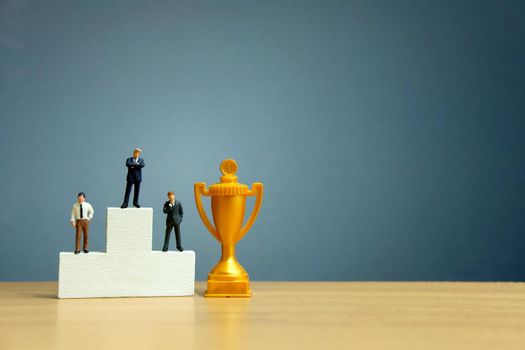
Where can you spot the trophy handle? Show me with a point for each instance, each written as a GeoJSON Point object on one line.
{"type": "Point", "coordinates": [257, 190]}
{"type": "Point", "coordinates": [200, 188]}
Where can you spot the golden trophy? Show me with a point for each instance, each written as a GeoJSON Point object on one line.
{"type": "Point", "coordinates": [228, 201]}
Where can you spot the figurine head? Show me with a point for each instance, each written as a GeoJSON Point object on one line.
{"type": "Point", "coordinates": [81, 197]}
{"type": "Point", "coordinates": [137, 152]}
{"type": "Point", "coordinates": [171, 196]}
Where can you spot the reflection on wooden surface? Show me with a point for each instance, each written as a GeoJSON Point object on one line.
{"type": "Point", "coordinates": [282, 315]}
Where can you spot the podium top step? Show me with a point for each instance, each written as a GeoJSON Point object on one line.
{"type": "Point", "coordinates": [130, 208]}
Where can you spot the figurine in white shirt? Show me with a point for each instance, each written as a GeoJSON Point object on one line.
{"type": "Point", "coordinates": [81, 216]}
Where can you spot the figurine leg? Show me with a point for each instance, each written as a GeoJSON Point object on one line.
{"type": "Point", "coordinates": [85, 229]}
{"type": "Point", "coordinates": [136, 194]}
{"type": "Point", "coordinates": [126, 195]}
{"type": "Point", "coordinates": [167, 237]}
{"type": "Point", "coordinates": [78, 227]}
{"type": "Point", "coordinates": [177, 237]}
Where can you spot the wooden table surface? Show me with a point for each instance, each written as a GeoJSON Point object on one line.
{"type": "Point", "coordinates": [282, 315]}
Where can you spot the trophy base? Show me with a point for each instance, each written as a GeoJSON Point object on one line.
{"type": "Point", "coordinates": [225, 289]}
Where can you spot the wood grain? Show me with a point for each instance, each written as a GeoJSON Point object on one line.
{"type": "Point", "coordinates": [281, 315]}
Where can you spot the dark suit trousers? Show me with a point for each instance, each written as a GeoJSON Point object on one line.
{"type": "Point", "coordinates": [82, 225]}
{"type": "Point", "coordinates": [135, 194]}
{"type": "Point", "coordinates": [168, 233]}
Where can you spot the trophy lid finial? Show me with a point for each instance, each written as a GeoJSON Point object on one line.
{"type": "Point", "coordinates": [229, 167]}
{"type": "Point", "coordinates": [228, 185]}
{"type": "Point", "coordinates": [228, 170]}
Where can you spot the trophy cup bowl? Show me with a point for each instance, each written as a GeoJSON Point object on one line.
{"type": "Point", "coordinates": [228, 202]}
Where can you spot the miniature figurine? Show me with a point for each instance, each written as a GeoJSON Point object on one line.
{"type": "Point", "coordinates": [81, 216]}
{"type": "Point", "coordinates": [134, 178]}
{"type": "Point", "coordinates": [174, 212]}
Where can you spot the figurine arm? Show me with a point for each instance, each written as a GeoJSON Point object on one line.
{"type": "Point", "coordinates": [166, 209]}
{"type": "Point", "coordinates": [90, 213]}
{"type": "Point", "coordinates": [130, 164]}
{"type": "Point", "coordinates": [181, 212]}
{"type": "Point", "coordinates": [73, 215]}
{"type": "Point", "coordinates": [141, 163]}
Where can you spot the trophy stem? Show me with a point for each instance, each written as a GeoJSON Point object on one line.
{"type": "Point", "coordinates": [228, 278]}
{"type": "Point", "coordinates": [228, 253]}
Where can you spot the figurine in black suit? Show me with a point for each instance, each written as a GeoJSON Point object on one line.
{"type": "Point", "coordinates": [134, 177]}
{"type": "Point", "coordinates": [173, 209]}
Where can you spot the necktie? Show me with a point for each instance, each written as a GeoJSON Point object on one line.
{"type": "Point", "coordinates": [81, 214]}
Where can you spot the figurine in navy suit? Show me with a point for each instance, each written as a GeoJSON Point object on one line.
{"type": "Point", "coordinates": [134, 178]}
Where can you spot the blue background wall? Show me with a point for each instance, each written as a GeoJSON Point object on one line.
{"type": "Point", "coordinates": [389, 134]}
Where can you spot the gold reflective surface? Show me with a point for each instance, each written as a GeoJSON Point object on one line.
{"type": "Point", "coordinates": [228, 201]}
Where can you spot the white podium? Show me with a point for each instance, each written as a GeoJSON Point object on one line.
{"type": "Point", "coordinates": [129, 268]}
